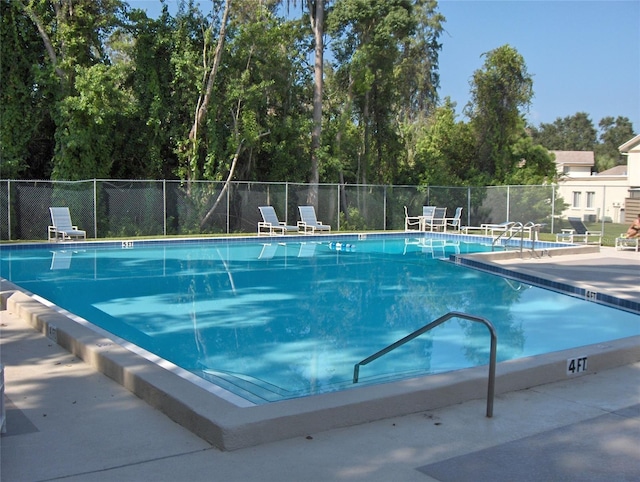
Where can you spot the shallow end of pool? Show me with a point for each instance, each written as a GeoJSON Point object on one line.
{"type": "Point", "coordinates": [229, 426]}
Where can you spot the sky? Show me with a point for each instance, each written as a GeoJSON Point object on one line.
{"type": "Point", "coordinates": [583, 55]}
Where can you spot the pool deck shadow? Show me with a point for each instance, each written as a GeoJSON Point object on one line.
{"type": "Point", "coordinates": [67, 420]}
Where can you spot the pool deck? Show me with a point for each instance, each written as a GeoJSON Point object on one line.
{"type": "Point", "coordinates": [67, 421]}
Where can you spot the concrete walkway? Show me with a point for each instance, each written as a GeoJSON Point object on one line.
{"type": "Point", "coordinates": [66, 421]}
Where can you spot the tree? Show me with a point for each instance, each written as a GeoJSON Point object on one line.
{"type": "Point", "coordinates": [73, 37]}
{"type": "Point", "coordinates": [211, 64]}
{"type": "Point", "coordinates": [499, 91]}
{"type": "Point", "coordinates": [316, 16]}
{"type": "Point", "coordinates": [370, 41]}
{"type": "Point", "coordinates": [26, 125]}
{"type": "Point", "coordinates": [93, 137]}
{"type": "Point", "coordinates": [445, 150]}
{"type": "Point", "coordinates": [533, 163]}
{"type": "Point", "coordinates": [571, 133]}
{"type": "Point", "coordinates": [417, 71]}
{"type": "Point", "coordinates": [613, 133]}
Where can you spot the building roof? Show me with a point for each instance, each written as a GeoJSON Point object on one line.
{"type": "Point", "coordinates": [582, 158]}
{"type": "Point", "coordinates": [630, 144]}
{"type": "Point", "coordinates": [614, 171]}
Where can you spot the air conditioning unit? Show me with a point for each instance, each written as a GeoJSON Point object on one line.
{"type": "Point", "coordinates": [589, 218]}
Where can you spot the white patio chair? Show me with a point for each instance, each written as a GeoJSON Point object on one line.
{"type": "Point", "coordinates": [308, 223]}
{"type": "Point", "coordinates": [454, 222]}
{"type": "Point", "coordinates": [62, 228]}
{"type": "Point", "coordinates": [418, 221]}
{"type": "Point", "coordinates": [270, 225]}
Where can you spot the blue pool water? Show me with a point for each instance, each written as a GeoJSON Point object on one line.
{"type": "Point", "coordinates": [272, 319]}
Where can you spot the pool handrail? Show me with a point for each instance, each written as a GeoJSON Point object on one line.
{"type": "Point", "coordinates": [433, 324]}
{"type": "Point", "coordinates": [517, 228]}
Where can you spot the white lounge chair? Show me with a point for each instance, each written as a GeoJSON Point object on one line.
{"type": "Point", "coordinates": [454, 222]}
{"type": "Point", "coordinates": [579, 233]}
{"type": "Point", "coordinates": [622, 242]}
{"type": "Point", "coordinates": [489, 228]}
{"type": "Point", "coordinates": [418, 221]}
{"type": "Point", "coordinates": [308, 223]}
{"type": "Point", "coordinates": [62, 228]}
{"type": "Point", "coordinates": [270, 225]}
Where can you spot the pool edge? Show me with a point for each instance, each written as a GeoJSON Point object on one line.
{"type": "Point", "coordinates": [229, 427]}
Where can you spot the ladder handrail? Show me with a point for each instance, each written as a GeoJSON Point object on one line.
{"type": "Point", "coordinates": [433, 324]}
{"type": "Point", "coordinates": [517, 225]}
{"type": "Point", "coordinates": [518, 228]}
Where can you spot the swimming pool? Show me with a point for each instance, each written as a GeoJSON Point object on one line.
{"type": "Point", "coordinates": [280, 318]}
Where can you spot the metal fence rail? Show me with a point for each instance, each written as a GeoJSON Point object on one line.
{"type": "Point", "coordinates": [113, 208]}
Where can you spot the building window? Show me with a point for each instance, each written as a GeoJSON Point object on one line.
{"type": "Point", "coordinates": [591, 200]}
{"type": "Point", "coordinates": [576, 199]}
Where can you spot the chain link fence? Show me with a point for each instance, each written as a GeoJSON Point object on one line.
{"type": "Point", "coordinates": [126, 208]}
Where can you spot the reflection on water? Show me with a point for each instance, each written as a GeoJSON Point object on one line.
{"type": "Point", "coordinates": [285, 319]}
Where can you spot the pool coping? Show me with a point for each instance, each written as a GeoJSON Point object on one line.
{"type": "Point", "coordinates": [228, 426]}
{"type": "Point", "coordinates": [485, 262]}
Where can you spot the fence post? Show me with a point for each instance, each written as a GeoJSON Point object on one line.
{"type": "Point", "coordinates": [228, 213]}
{"type": "Point", "coordinates": [286, 201]}
{"type": "Point", "coordinates": [9, 209]}
{"type": "Point", "coordinates": [164, 205]}
{"type": "Point", "coordinates": [384, 209]}
{"type": "Point", "coordinates": [553, 208]}
{"type": "Point", "coordinates": [95, 208]}
{"type": "Point", "coordinates": [338, 191]}
{"type": "Point", "coordinates": [469, 206]}
{"type": "Point", "coordinates": [602, 216]}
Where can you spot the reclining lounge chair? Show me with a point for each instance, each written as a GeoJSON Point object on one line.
{"type": "Point", "coordinates": [622, 242]}
{"type": "Point", "coordinates": [270, 225]}
{"type": "Point", "coordinates": [308, 223]}
{"type": "Point", "coordinates": [61, 227]}
{"type": "Point", "coordinates": [579, 234]}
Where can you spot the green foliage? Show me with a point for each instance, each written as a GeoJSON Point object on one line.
{"type": "Point", "coordinates": [499, 92]}
{"type": "Point", "coordinates": [572, 133]}
{"type": "Point", "coordinates": [533, 164]}
{"type": "Point", "coordinates": [26, 127]}
{"type": "Point", "coordinates": [89, 135]}
{"type": "Point", "coordinates": [352, 221]}
{"type": "Point", "coordinates": [614, 133]}
{"type": "Point", "coordinates": [376, 44]}
{"type": "Point", "coordinates": [99, 90]}
{"type": "Point", "coordinates": [445, 151]}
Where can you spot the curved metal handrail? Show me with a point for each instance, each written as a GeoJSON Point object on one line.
{"type": "Point", "coordinates": [433, 324]}
{"type": "Point", "coordinates": [512, 228]}
{"type": "Point", "coordinates": [516, 229]}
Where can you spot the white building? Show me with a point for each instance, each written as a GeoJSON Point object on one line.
{"type": "Point", "coordinates": [612, 195]}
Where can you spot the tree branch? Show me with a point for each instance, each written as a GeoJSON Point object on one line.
{"type": "Point", "coordinates": [48, 45]}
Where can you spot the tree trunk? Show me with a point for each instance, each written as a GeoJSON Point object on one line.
{"type": "Point", "coordinates": [205, 97]}
{"type": "Point", "coordinates": [48, 45]}
{"type": "Point", "coordinates": [206, 218]}
{"type": "Point", "coordinates": [317, 24]}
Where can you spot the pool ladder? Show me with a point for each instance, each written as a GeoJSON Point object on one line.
{"type": "Point", "coordinates": [433, 324]}
{"type": "Point", "coordinates": [517, 228]}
